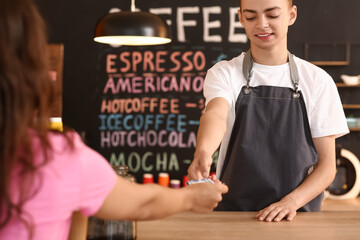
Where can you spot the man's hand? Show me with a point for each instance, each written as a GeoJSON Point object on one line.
{"type": "Point", "coordinates": [200, 166]}
{"type": "Point", "coordinates": [284, 209]}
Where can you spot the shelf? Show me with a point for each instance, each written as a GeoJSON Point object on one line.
{"type": "Point", "coordinates": [346, 85]}
{"type": "Point", "coordinates": [330, 63]}
{"type": "Point", "coordinates": [341, 205]}
{"type": "Point", "coordinates": [351, 106]}
{"type": "Point", "coordinates": [354, 129]}
{"type": "Point", "coordinates": [345, 49]}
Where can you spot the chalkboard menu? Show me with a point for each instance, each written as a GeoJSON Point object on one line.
{"type": "Point", "coordinates": [151, 98]}
{"type": "Point", "coordinates": [140, 106]}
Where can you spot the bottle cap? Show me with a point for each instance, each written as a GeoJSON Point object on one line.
{"type": "Point", "coordinates": [175, 183]}
{"type": "Point", "coordinates": [185, 179]}
{"type": "Point", "coordinates": [163, 179]}
{"type": "Point", "coordinates": [148, 178]}
{"type": "Point", "coordinates": [213, 174]}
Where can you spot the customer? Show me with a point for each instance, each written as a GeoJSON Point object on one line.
{"type": "Point", "coordinates": [276, 117]}
{"type": "Point", "coordinates": [45, 175]}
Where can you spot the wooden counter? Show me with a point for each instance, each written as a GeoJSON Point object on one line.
{"type": "Point", "coordinates": [327, 225]}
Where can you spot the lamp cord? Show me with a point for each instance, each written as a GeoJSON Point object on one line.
{"type": "Point", "coordinates": [132, 5]}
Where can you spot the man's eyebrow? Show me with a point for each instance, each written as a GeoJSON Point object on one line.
{"type": "Point", "coordinates": [266, 10]}
{"type": "Point", "coordinates": [272, 9]}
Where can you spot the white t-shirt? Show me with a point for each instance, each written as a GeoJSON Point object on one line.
{"type": "Point", "coordinates": [323, 105]}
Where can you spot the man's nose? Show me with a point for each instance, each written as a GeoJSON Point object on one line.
{"type": "Point", "coordinates": [262, 22]}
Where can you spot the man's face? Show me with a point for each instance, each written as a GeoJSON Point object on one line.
{"type": "Point", "coordinates": [266, 21]}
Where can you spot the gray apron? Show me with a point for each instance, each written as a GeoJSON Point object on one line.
{"type": "Point", "coordinates": [270, 150]}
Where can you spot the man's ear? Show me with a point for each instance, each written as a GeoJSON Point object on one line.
{"type": "Point", "coordinates": [293, 15]}
{"type": "Point", "coordinates": [240, 16]}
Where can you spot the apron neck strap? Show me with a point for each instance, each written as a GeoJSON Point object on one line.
{"type": "Point", "coordinates": [247, 72]}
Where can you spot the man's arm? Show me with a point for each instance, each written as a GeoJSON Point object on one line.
{"type": "Point", "coordinates": [210, 134]}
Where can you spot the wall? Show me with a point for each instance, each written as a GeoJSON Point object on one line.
{"type": "Point", "coordinates": [92, 72]}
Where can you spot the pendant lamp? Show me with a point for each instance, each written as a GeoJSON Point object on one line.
{"type": "Point", "coordinates": [132, 28]}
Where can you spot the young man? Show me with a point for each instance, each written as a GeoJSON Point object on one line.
{"type": "Point", "coordinates": [276, 117]}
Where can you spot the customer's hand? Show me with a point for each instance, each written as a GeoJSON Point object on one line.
{"type": "Point", "coordinates": [204, 197]}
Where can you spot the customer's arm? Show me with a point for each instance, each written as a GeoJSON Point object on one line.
{"type": "Point", "coordinates": [133, 201]}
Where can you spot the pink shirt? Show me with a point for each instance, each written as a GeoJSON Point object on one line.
{"type": "Point", "coordinates": [78, 179]}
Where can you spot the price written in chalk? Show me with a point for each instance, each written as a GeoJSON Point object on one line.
{"type": "Point", "coordinates": [200, 104]}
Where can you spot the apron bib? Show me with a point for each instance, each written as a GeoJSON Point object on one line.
{"type": "Point", "coordinates": [271, 150]}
